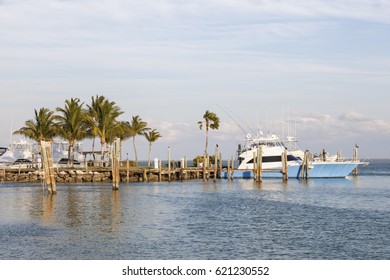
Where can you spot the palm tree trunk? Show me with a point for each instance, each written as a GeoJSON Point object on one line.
{"type": "Point", "coordinates": [93, 149]}
{"type": "Point", "coordinates": [135, 152]}
{"type": "Point", "coordinates": [207, 140]}
{"type": "Point", "coordinates": [150, 152]}
{"type": "Point", "coordinates": [101, 151]}
{"type": "Point", "coordinates": [70, 153]}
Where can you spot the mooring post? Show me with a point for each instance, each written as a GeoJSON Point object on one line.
{"type": "Point", "coordinates": [228, 170]}
{"type": "Point", "coordinates": [303, 165]}
{"type": "Point", "coordinates": [169, 164]}
{"type": "Point", "coordinates": [215, 164]}
{"type": "Point", "coordinates": [258, 163]}
{"type": "Point", "coordinates": [307, 158]}
{"type": "Point", "coordinates": [127, 171]}
{"type": "Point", "coordinates": [159, 170]}
{"type": "Point", "coordinates": [284, 166]}
{"type": "Point", "coordinates": [47, 162]}
{"type": "Point", "coordinates": [220, 166]}
{"type": "Point", "coordinates": [254, 166]}
{"type": "Point", "coordinates": [232, 170]}
{"type": "Point", "coordinates": [204, 167]}
{"type": "Point", "coordinates": [144, 175]}
{"type": "Point", "coordinates": [261, 163]}
{"type": "Point", "coordinates": [355, 159]}
{"type": "Point", "coordinates": [115, 156]}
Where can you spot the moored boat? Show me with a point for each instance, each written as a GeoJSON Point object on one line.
{"type": "Point", "coordinates": [272, 149]}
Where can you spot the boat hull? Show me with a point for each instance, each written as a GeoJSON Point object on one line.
{"type": "Point", "coordinates": [316, 170]}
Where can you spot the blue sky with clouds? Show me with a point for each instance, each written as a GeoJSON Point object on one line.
{"type": "Point", "coordinates": [325, 64]}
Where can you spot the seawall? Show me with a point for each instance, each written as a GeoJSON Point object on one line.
{"type": "Point", "coordinates": [71, 175]}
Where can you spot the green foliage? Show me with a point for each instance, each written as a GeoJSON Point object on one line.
{"type": "Point", "coordinates": [42, 127]}
{"type": "Point", "coordinates": [201, 159]}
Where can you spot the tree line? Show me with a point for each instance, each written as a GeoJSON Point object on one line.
{"type": "Point", "coordinates": [76, 121]}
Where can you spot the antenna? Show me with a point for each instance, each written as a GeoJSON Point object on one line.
{"type": "Point", "coordinates": [247, 127]}
{"type": "Point", "coordinates": [234, 120]}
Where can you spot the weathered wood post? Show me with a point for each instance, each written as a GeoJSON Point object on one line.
{"type": "Point", "coordinates": [220, 165]}
{"type": "Point", "coordinates": [355, 159]}
{"type": "Point", "coordinates": [47, 162]}
{"type": "Point", "coordinates": [259, 163]}
{"type": "Point", "coordinates": [307, 164]}
{"type": "Point", "coordinates": [169, 164]}
{"type": "Point", "coordinates": [208, 167]}
{"type": "Point", "coordinates": [228, 170]}
{"type": "Point", "coordinates": [284, 165]}
{"type": "Point", "coordinates": [144, 175]}
{"type": "Point", "coordinates": [127, 171]}
{"type": "Point", "coordinates": [159, 170]}
{"type": "Point", "coordinates": [232, 170]}
{"type": "Point", "coordinates": [115, 156]}
{"type": "Point", "coordinates": [215, 164]}
{"type": "Point", "coordinates": [204, 167]}
{"type": "Point", "coordinates": [254, 166]}
{"type": "Point", "coordinates": [304, 165]}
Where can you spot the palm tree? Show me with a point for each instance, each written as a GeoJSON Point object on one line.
{"type": "Point", "coordinates": [137, 127]}
{"type": "Point", "coordinates": [71, 123]}
{"type": "Point", "coordinates": [151, 136]}
{"type": "Point", "coordinates": [210, 121]}
{"type": "Point", "coordinates": [42, 127]}
{"type": "Point", "coordinates": [102, 117]}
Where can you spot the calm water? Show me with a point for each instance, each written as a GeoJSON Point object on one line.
{"type": "Point", "coordinates": [321, 219]}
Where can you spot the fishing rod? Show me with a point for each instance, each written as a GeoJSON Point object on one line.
{"type": "Point", "coordinates": [235, 121]}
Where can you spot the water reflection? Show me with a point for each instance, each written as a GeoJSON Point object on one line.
{"type": "Point", "coordinates": [198, 220]}
{"type": "Point", "coordinates": [75, 207]}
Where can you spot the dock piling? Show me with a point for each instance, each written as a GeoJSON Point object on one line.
{"type": "Point", "coordinates": [47, 162]}
{"type": "Point", "coordinates": [115, 157]}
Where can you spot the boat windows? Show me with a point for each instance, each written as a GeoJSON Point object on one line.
{"type": "Point", "coordinates": [268, 159]}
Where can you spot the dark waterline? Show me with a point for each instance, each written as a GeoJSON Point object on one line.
{"type": "Point", "coordinates": [321, 219]}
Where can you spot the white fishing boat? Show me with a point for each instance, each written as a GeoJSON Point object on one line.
{"type": "Point", "coordinates": [22, 151]}
{"type": "Point", "coordinates": [272, 149]}
{"type": "Point", "coordinates": [18, 151]}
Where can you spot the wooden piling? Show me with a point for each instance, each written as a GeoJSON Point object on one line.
{"type": "Point", "coordinates": [127, 171]}
{"type": "Point", "coordinates": [228, 170]}
{"type": "Point", "coordinates": [355, 172]}
{"type": "Point", "coordinates": [204, 167]}
{"type": "Point", "coordinates": [305, 165]}
{"type": "Point", "coordinates": [115, 157]}
{"type": "Point", "coordinates": [284, 166]}
{"type": "Point", "coordinates": [254, 166]}
{"type": "Point", "coordinates": [215, 164]}
{"type": "Point", "coordinates": [144, 175]}
{"type": "Point", "coordinates": [259, 164]}
{"type": "Point", "coordinates": [47, 162]}
{"type": "Point", "coordinates": [159, 170]}
{"type": "Point", "coordinates": [220, 165]}
{"type": "Point", "coordinates": [169, 164]}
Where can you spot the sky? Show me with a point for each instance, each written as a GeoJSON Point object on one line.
{"type": "Point", "coordinates": [317, 70]}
